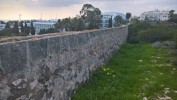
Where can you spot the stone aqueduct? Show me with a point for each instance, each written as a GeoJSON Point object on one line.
{"type": "Point", "coordinates": [52, 66]}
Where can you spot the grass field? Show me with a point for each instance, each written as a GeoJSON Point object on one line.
{"type": "Point", "coordinates": [136, 72]}
{"type": "Point", "coordinates": [1, 37]}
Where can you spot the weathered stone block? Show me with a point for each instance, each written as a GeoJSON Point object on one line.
{"type": "Point", "coordinates": [64, 43]}
{"type": "Point", "coordinates": [82, 39]}
{"type": "Point", "coordinates": [53, 45]}
{"type": "Point", "coordinates": [17, 82]}
{"type": "Point", "coordinates": [37, 49]}
{"type": "Point", "coordinates": [4, 91]}
{"type": "Point", "coordinates": [13, 57]}
{"type": "Point", "coordinates": [73, 41]}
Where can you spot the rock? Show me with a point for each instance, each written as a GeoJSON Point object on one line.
{"type": "Point", "coordinates": [33, 84]}
{"type": "Point", "coordinates": [23, 97]}
{"type": "Point", "coordinates": [169, 44]}
{"type": "Point", "coordinates": [30, 95]}
{"type": "Point", "coordinates": [164, 98]}
{"type": "Point", "coordinates": [49, 85]}
{"type": "Point", "coordinates": [4, 92]}
{"type": "Point", "coordinates": [17, 82]}
{"type": "Point", "coordinates": [39, 87]}
{"type": "Point", "coordinates": [173, 61]}
{"type": "Point", "coordinates": [25, 79]}
{"type": "Point", "coordinates": [157, 44]}
{"type": "Point", "coordinates": [145, 98]}
{"type": "Point", "coordinates": [22, 87]}
{"type": "Point", "coordinates": [175, 91]}
{"type": "Point", "coordinates": [44, 97]}
{"type": "Point", "coordinates": [165, 44]}
{"type": "Point", "coordinates": [172, 51]}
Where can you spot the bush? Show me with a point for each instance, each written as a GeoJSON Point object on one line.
{"type": "Point", "coordinates": [153, 35]}
{"type": "Point", "coordinates": [9, 32]}
{"type": "Point", "coordinates": [175, 37]}
{"type": "Point", "coordinates": [134, 28]}
{"type": "Point", "coordinates": [151, 32]}
{"type": "Point", "coordinates": [6, 32]}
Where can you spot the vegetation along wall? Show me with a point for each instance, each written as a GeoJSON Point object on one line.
{"type": "Point", "coordinates": [52, 66]}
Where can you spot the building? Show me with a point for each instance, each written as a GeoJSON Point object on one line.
{"type": "Point", "coordinates": [43, 25]}
{"type": "Point", "coordinates": [108, 15]}
{"type": "Point", "coordinates": [28, 24]}
{"type": "Point", "coordinates": [134, 18]}
{"type": "Point", "coordinates": [155, 15]}
{"type": "Point", "coordinates": [2, 26]}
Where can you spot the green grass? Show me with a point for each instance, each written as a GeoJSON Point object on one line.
{"type": "Point", "coordinates": [1, 37]}
{"type": "Point", "coordinates": [137, 71]}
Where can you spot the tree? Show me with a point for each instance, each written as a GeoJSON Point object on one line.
{"type": "Point", "coordinates": [22, 27]}
{"type": "Point", "coordinates": [81, 25]}
{"type": "Point", "coordinates": [128, 15]}
{"type": "Point", "coordinates": [91, 16]}
{"type": "Point", "coordinates": [42, 31]}
{"type": "Point", "coordinates": [27, 29]}
{"type": "Point", "coordinates": [172, 16]}
{"type": "Point", "coordinates": [15, 28]}
{"type": "Point", "coordinates": [2, 22]}
{"type": "Point", "coordinates": [7, 25]}
{"type": "Point", "coordinates": [50, 30]}
{"type": "Point", "coordinates": [146, 18]}
{"type": "Point", "coordinates": [32, 29]}
{"type": "Point", "coordinates": [7, 32]}
{"type": "Point", "coordinates": [63, 24]}
{"type": "Point", "coordinates": [171, 13]}
{"type": "Point", "coordinates": [110, 23]}
{"type": "Point", "coordinates": [58, 25]}
{"type": "Point", "coordinates": [66, 23]}
{"type": "Point", "coordinates": [118, 21]}
{"type": "Point", "coordinates": [77, 24]}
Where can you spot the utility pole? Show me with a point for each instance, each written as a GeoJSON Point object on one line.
{"type": "Point", "coordinates": [56, 16]}
{"type": "Point", "coordinates": [19, 27]}
{"type": "Point", "coordinates": [20, 17]}
{"type": "Point", "coordinates": [41, 16]}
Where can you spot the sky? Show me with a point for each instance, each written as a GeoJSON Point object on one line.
{"type": "Point", "coordinates": [58, 9]}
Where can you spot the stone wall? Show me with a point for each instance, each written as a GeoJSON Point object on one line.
{"type": "Point", "coordinates": [52, 66]}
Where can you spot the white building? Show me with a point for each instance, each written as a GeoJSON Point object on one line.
{"type": "Point", "coordinates": [28, 24]}
{"type": "Point", "coordinates": [2, 26]}
{"type": "Point", "coordinates": [155, 15]}
{"type": "Point", "coordinates": [106, 16]}
{"type": "Point", "coordinates": [43, 25]}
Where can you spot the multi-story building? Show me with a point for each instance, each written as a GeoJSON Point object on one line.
{"type": "Point", "coordinates": [106, 16]}
{"type": "Point", "coordinates": [43, 25]}
{"type": "Point", "coordinates": [2, 26]}
{"type": "Point", "coordinates": [155, 15]}
{"type": "Point", "coordinates": [28, 24]}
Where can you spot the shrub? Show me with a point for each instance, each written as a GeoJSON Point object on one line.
{"type": "Point", "coordinates": [151, 32]}
{"type": "Point", "coordinates": [153, 35]}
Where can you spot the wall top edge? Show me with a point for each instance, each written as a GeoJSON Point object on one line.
{"type": "Point", "coordinates": [49, 35]}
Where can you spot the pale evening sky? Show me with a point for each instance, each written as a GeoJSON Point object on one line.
{"type": "Point", "coordinates": [52, 9]}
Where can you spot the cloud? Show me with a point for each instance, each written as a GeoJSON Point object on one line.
{"type": "Point", "coordinates": [66, 8]}
{"type": "Point", "coordinates": [136, 7]}
{"type": "Point", "coordinates": [60, 3]}
{"type": "Point", "coordinates": [50, 3]}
